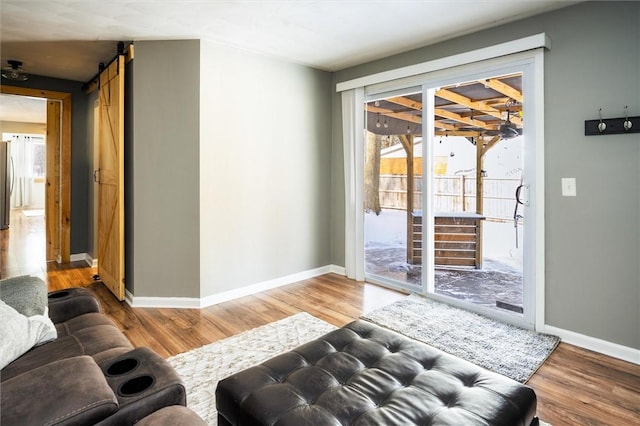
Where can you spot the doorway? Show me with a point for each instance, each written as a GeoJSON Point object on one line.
{"type": "Point", "coordinates": [454, 188]}
{"type": "Point", "coordinates": [57, 179]}
{"type": "Point", "coordinates": [22, 186]}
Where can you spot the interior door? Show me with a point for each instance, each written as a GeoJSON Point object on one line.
{"type": "Point", "coordinates": [110, 177]}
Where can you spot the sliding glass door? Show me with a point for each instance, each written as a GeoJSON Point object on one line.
{"type": "Point", "coordinates": [449, 167]}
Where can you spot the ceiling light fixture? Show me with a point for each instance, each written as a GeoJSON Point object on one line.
{"type": "Point", "coordinates": [14, 71]}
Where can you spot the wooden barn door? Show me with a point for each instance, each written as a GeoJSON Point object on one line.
{"type": "Point", "coordinates": [110, 178]}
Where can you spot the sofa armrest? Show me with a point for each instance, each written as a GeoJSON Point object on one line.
{"type": "Point", "coordinates": [70, 303]}
{"type": "Point", "coordinates": [143, 382]}
{"type": "Point", "coordinates": [26, 294]}
{"type": "Point", "coordinates": [69, 391]}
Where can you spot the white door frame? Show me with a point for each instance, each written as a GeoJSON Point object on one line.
{"type": "Point", "coordinates": [531, 63]}
{"type": "Point", "coordinates": [533, 267]}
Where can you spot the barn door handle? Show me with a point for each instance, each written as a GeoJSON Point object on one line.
{"type": "Point", "coordinates": [96, 176]}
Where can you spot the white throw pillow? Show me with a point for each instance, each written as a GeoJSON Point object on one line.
{"type": "Point", "coordinates": [20, 333]}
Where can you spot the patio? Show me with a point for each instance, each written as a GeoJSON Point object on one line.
{"type": "Point", "coordinates": [497, 285]}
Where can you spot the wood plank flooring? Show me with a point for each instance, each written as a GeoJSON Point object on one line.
{"type": "Point", "coordinates": [22, 246]}
{"type": "Point", "coordinates": [574, 386]}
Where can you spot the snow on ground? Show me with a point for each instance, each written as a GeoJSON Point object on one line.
{"type": "Point", "coordinates": [388, 230]}
{"type": "Point", "coordinates": [500, 279]}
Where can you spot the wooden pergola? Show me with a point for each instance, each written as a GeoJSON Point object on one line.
{"type": "Point", "coordinates": [483, 111]}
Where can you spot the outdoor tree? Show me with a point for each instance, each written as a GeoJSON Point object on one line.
{"type": "Point", "coordinates": [372, 174]}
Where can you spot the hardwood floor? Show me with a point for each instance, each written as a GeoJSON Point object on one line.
{"type": "Point", "coordinates": [22, 246]}
{"type": "Point", "coordinates": [574, 386]}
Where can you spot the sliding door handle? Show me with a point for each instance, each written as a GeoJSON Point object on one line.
{"type": "Point", "coordinates": [522, 198]}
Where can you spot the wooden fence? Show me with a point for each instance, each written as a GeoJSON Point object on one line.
{"type": "Point", "coordinates": [453, 194]}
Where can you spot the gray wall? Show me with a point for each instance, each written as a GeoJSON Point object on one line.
{"type": "Point", "coordinates": [92, 187]}
{"type": "Point", "coordinates": [164, 179]}
{"type": "Point", "coordinates": [129, 145]}
{"type": "Point", "coordinates": [227, 177]}
{"type": "Point", "coordinates": [592, 240]}
{"type": "Point", "coordinates": [265, 156]}
{"type": "Point", "coordinates": [81, 162]}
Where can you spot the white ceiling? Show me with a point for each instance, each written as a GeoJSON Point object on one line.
{"type": "Point", "coordinates": [67, 39]}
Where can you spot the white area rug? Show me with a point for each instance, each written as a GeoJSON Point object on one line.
{"type": "Point", "coordinates": [511, 351]}
{"type": "Point", "coordinates": [202, 368]}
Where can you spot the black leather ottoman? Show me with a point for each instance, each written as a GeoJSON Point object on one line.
{"type": "Point", "coordinates": [363, 374]}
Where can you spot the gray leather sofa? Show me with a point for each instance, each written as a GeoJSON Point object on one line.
{"type": "Point", "coordinates": [90, 374]}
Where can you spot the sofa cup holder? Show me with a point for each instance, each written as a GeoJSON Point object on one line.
{"type": "Point", "coordinates": [142, 380]}
{"type": "Point", "coordinates": [136, 385]}
{"type": "Point", "coordinates": [122, 366]}
{"type": "Point", "coordinates": [59, 294]}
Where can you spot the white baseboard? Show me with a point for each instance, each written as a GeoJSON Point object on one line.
{"type": "Point", "coordinates": [79, 257]}
{"type": "Point", "coordinates": [338, 270]}
{"type": "Point", "coordinates": [226, 296]}
{"type": "Point", "coordinates": [214, 299]}
{"type": "Point", "coordinates": [161, 302]}
{"type": "Point", "coordinates": [128, 297]}
{"type": "Point", "coordinates": [614, 350]}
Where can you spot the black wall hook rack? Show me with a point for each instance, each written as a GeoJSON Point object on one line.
{"type": "Point", "coordinates": [614, 126]}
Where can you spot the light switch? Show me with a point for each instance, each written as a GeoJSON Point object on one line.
{"type": "Point", "coordinates": [568, 187]}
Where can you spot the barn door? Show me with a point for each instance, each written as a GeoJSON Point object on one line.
{"type": "Point", "coordinates": [110, 177]}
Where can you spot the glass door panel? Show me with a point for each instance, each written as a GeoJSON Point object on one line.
{"type": "Point", "coordinates": [477, 168]}
{"type": "Point", "coordinates": [393, 189]}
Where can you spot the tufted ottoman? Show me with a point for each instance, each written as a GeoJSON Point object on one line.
{"type": "Point", "coordinates": [363, 374]}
